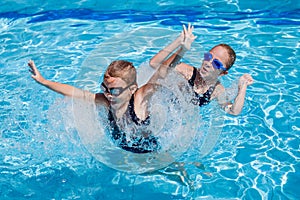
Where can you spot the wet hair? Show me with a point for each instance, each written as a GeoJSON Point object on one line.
{"type": "Point", "coordinates": [231, 55]}
{"type": "Point", "coordinates": [122, 69]}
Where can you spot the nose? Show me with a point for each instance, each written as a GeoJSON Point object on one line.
{"type": "Point", "coordinates": [108, 96]}
{"type": "Point", "coordinates": [208, 64]}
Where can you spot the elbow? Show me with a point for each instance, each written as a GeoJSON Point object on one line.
{"type": "Point", "coordinates": [235, 113]}
{"type": "Point", "coordinates": [230, 109]}
{"type": "Point", "coordinates": [153, 63]}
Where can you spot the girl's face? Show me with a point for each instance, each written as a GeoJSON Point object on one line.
{"type": "Point", "coordinates": [214, 66]}
{"type": "Point", "coordinates": [115, 89]}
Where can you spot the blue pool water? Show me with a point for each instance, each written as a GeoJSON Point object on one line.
{"type": "Point", "coordinates": [256, 155]}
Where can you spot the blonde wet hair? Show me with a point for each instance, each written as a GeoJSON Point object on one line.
{"type": "Point", "coordinates": [122, 69]}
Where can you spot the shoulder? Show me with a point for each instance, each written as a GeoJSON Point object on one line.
{"type": "Point", "coordinates": [146, 89]}
{"type": "Point", "coordinates": [219, 90]}
{"type": "Point", "coordinates": [141, 100]}
{"type": "Point", "coordinates": [101, 99]}
{"type": "Point", "coordinates": [185, 69]}
{"type": "Point", "coordinates": [144, 93]}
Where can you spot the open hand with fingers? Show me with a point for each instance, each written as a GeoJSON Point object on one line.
{"type": "Point", "coordinates": [35, 72]}
{"type": "Point", "coordinates": [187, 37]}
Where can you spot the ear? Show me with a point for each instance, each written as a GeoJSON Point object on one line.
{"type": "Point", "coordinates": [133, 88]}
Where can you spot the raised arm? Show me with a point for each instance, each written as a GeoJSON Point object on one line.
{"type": "Point", "coordinates": [184, 41]}
{"type": "Point", "coordinates": [160, 57]}
{"type": "Point", "coordinates": [165, 63]}
{"type": "Point", "coordinates": [64, 89]}
{"type": "Point", "coordinates": [236, 107]}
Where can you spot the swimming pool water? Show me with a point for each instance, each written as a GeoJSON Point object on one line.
{"type": "Point", "coordinates": [41, 155]}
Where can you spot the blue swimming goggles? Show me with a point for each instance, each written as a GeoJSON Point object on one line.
{"type": "Point", "coordinates": [215, 62]}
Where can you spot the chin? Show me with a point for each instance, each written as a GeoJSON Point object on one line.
{"type": "Point", "coordinates": [203, 73]}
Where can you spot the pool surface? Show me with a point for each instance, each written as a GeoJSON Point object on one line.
{"type": "Point", "coordinates": [252, 156]}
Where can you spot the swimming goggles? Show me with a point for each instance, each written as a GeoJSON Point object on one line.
{"type": "Point", "coordinates": [215, 62]}
{"type": "Point", "coordinates": [113, 91]}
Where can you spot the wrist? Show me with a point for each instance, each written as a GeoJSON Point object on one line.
{"type": "Point", "coordinates": [242, 88]}
{"type": "Point", "coordinates": [182, 51]}
{"type": "Point", "coordinates": [43, 81]}
{"type": "Point", "coordinates": [178, 41]}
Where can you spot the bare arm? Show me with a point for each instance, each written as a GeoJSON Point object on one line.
{"type": "Point", "coordinates": [184, 41]}
{"type": "Point", "coordinates": [164, 63]}
{"type": "Point", "coordinates": [162, 71]}
{"type": "Point", "coordinates": [158, 59]}
{"type": "Point", "coordinates": [64, 89]}
{"type": "Point", "coordinates": [236, 107]}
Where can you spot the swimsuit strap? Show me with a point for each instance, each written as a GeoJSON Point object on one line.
{"type": "Point", "coordinates": [192, 79]}
{"type": "Point", "coordinates": [134, 118]}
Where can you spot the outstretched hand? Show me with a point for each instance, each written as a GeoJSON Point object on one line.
{"type": "Point", "coordinates": [187, 36]}
{"type": "Point", "coordinates": [35, 72]}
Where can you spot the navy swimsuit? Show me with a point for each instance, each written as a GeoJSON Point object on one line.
{"type": "Point", "coordinates": [139, 139]}
{"type": "Point", "coordinates": [200, 99]}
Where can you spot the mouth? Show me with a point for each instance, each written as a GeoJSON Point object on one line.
{"type": "Point", "coordinates": [111, 99]}
{"type": "Point", "coordinates": [205, 68]}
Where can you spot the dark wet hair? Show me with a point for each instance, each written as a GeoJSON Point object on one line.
{"type": "Point", "coordinates": [122, 69]}
{"type": "Point", "coordinates": [231, 55]}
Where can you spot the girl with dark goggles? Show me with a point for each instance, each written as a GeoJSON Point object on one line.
{"type": "Point", "coordinates": [215, 62]}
